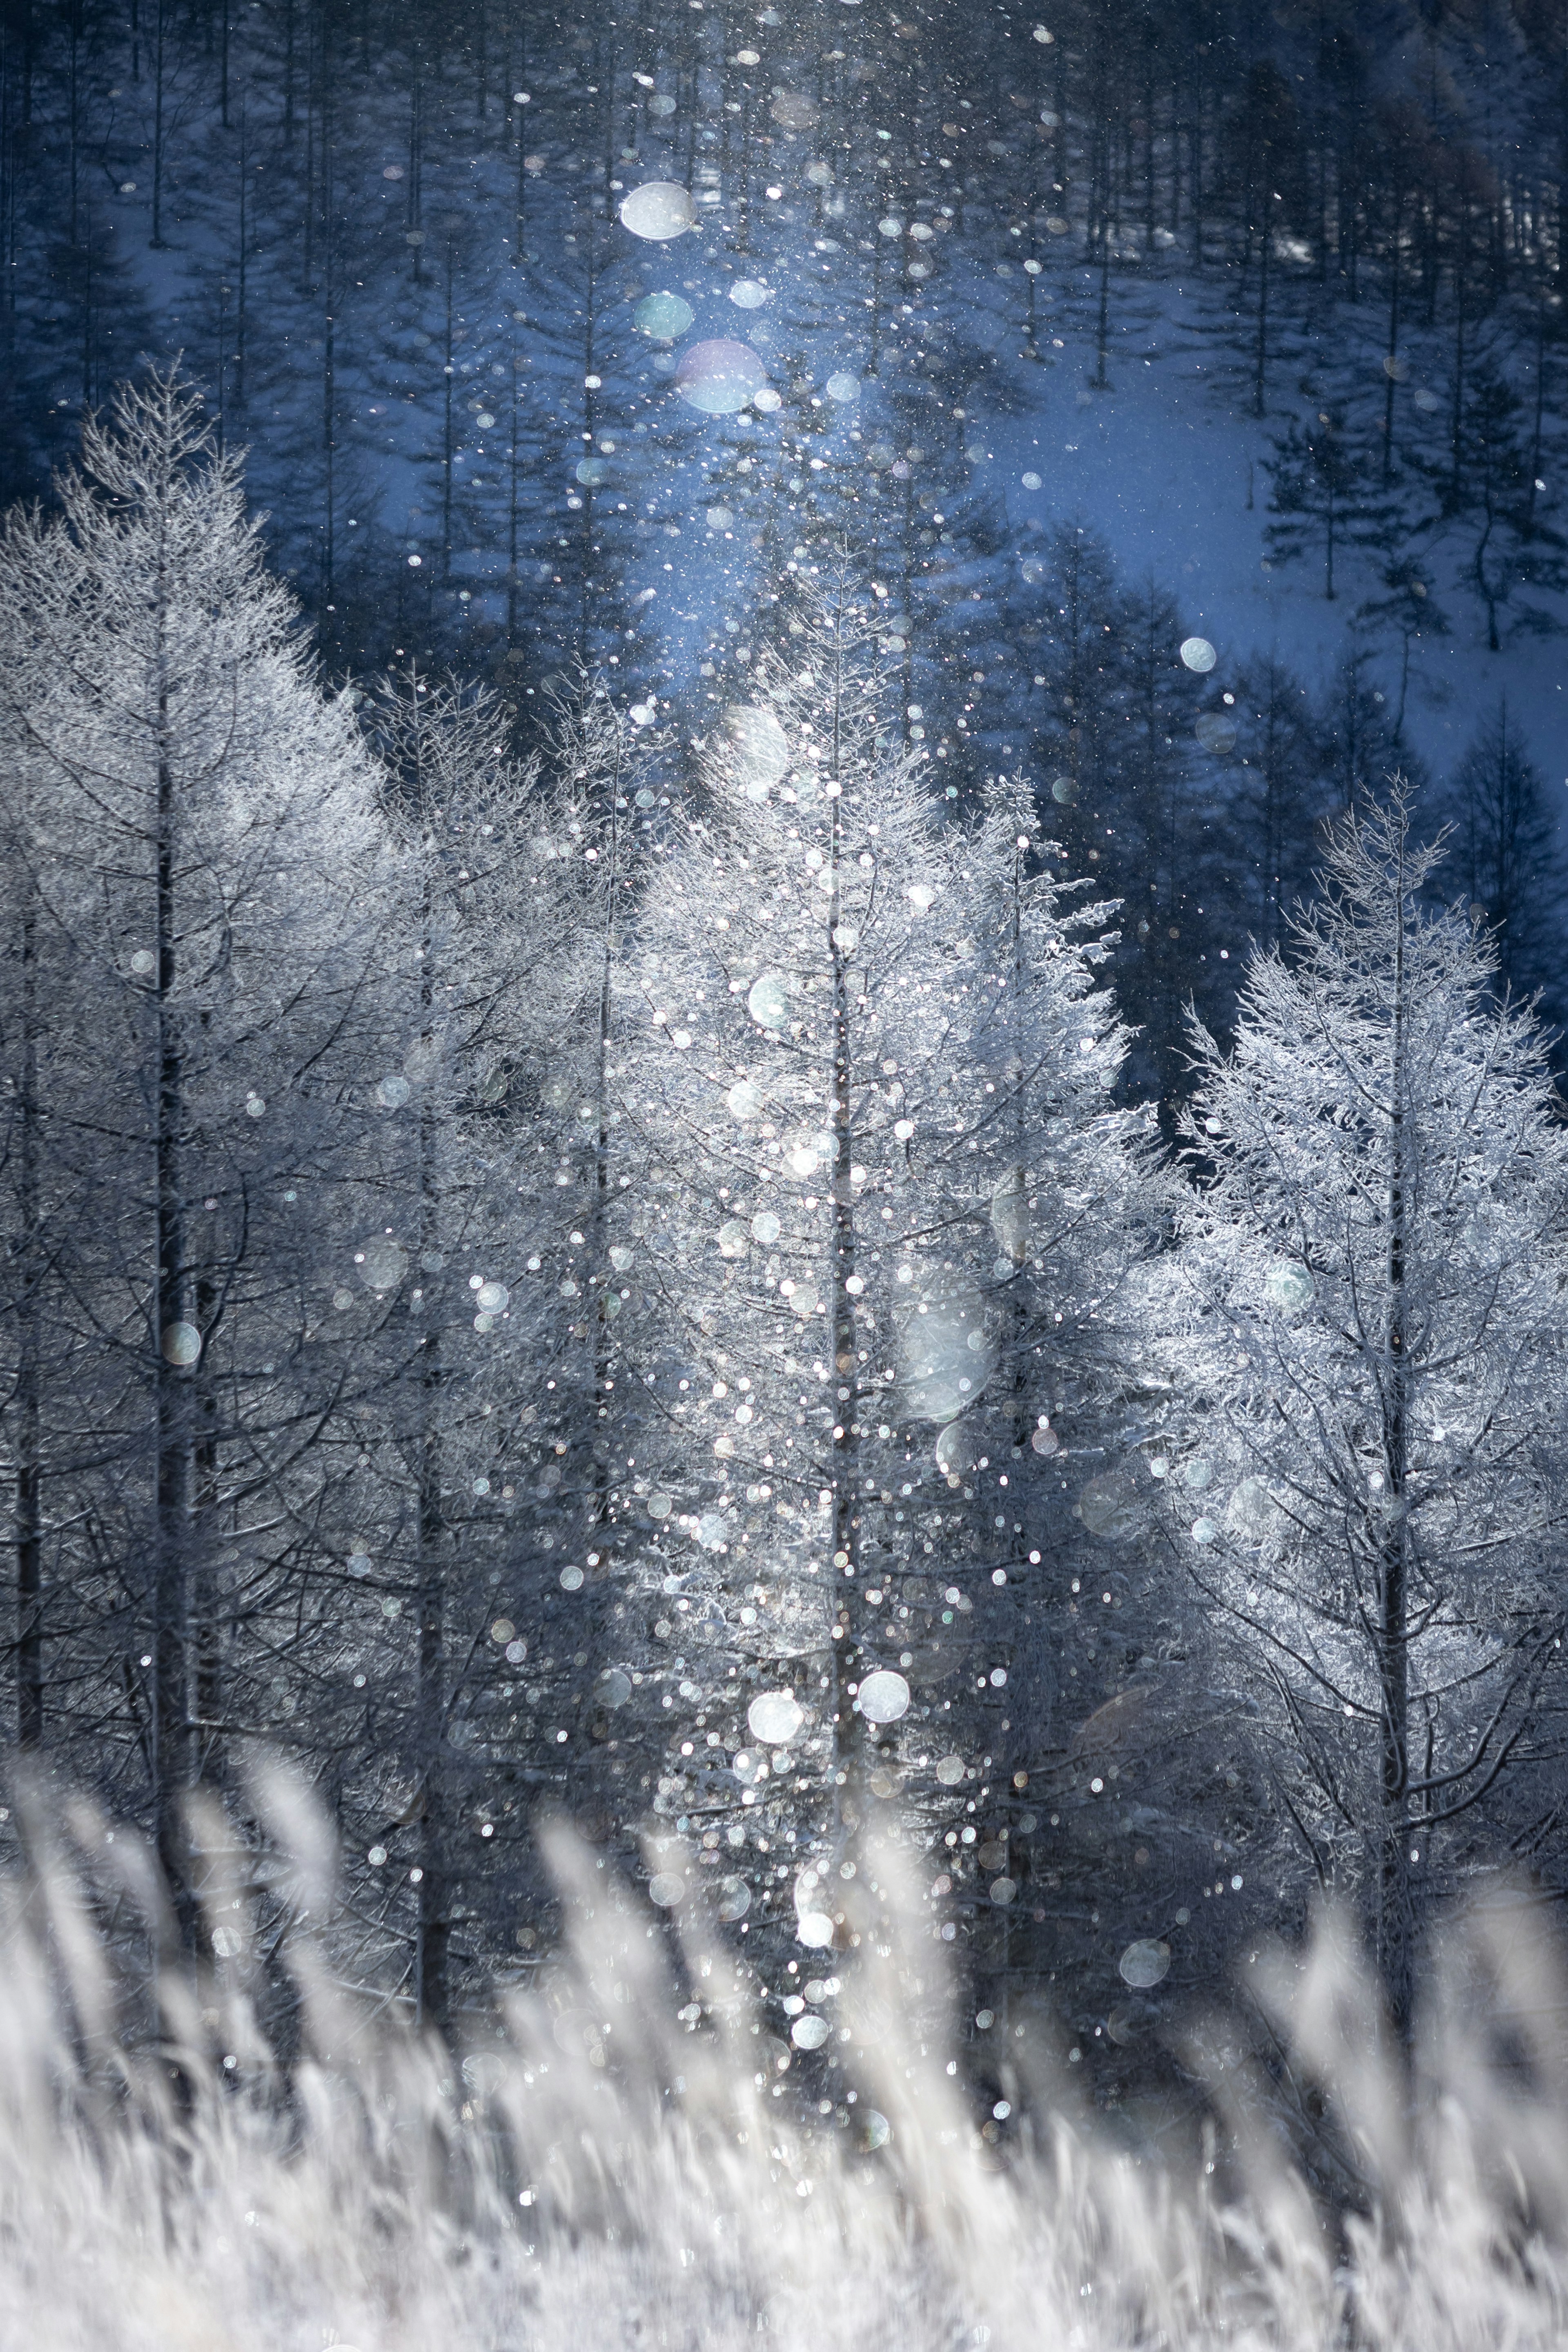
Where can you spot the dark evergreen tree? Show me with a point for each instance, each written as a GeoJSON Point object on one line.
{"type": "Point", "coordinates": [1506, 858]}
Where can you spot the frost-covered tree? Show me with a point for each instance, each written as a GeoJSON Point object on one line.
{"type": "Point", "coordinates": [1370, 1306]}
{"type": "Point", "coordinates": [191, 846]}
{"type": "Point", "coordinates": [486, 1496]}
{"type": "Point", "coordinates": [439, 1423]}
{"type": "Point", "coordinates": [886, 1200]}
{"type": "Point", "coordinates": [597, 838]}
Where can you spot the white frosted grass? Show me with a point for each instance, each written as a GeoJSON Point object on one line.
{"type": "Point", "coordinates": [607, 2159]}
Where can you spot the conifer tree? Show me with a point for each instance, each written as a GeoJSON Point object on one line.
{"type": "Point", "coordinates": [1322, 498]}
{"type": "Point", "coordinates": [1504, 856]}
{"type": "Point", "coordinates": [1365, 1463]}
{"type": "Point", "coordinates": [193, 843]}
{"type": "Point", "coordinates": [886, 1197]}
{"type": "Point", "coordinates": [489, 1504]}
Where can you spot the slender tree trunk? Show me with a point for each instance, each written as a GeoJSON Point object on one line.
{"type": "Point", "coordinates": [1560, 192]}
{"type": "Point", "coordinates": [1537, 421]}
{"type": "Point", "coordinates": [519, 255]}
{"type": "Point", "coordinates": [603, 1378]}
{"type": "Point", "coordinates": [433, 1925]}
{"type": "Point", "coordinates": [328, 449]}
{"type": "Point", "coordinates": [447, 442]}
{"type": "Point", "coordinates": [241, 289]}
{"type": "Point", "coordinates": [158, 124]}
{"type": "Point", "coordinates": [606, 79]}
{"type": "Point", "coordinates": [1394, 289]}
{"type": "Point", "coordinates": [1149, 104]}
{"type": "Point", "coordinates": [1395, 1927]}
{"type": "Point", "coordinates": [600, 1523]}
{"type": "Point", "coordinates": [743, 184]}
{"type": "Point", "coordinates": [1484, 588]}
{"type": "Point", "coordinates": [1457, 422]}
{"type": "Point", "coordinates": [416, 231]}
{"type": "Point", "coordinates": [170, 1713]}
{"type": "Point", "coordinates": [1102, 328]}
{"type": "Point", "coordinates": [1405, 639]}
{"type": "Point", "coordinates": [589, 426]}
{"type": "Point", "coordinates": [29, 1411]}
{"type": "Point", "coordinates": [307, 264]}
{"type": "Point", "coordinates": [1274, 820]}
{"type": "Point", "coordinates": [73, 111]}
{"type": "Point", "coordinates": [220, 368]}
{"type": "Point", "coordinates": [514, 482]}
{"type": "Point", "coordinates": [873, 365]}
{"type": "Point", "coordinates": [844, 1389]}
{"type": "Point", "coordinates": [1017, 1242]}
{"type": "Point", "coordinates": [1194, 177]}
{"type": "Point", "coordinates": [329, 331]}
{"type": "Point", "coordinates": [206, 1627]}
{"type": "Point", "coordinates": [1260, 361]}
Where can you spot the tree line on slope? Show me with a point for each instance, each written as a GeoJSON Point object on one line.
{"type": "Point", "coordinates": [1406, 233]}
{"type": "Point", "coordinates": [528, 1283]}
{"type": "Point", "coordinates": [1407, 287]}
{"type": "Point", "coordinates": [1374, 214]}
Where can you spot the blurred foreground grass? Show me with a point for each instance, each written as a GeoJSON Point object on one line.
{"type": "Point", "coordinates": [616, 2157]}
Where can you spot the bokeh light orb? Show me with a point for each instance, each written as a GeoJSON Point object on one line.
{"type": "Point", "coordinates": [760, 746]}
{"type": "Point", "coordinates": [662, 316]}
{"type": "Point", "coordinates": [883, 1696]}
{"type": "Point", "coordinates": [774, 1718]}
{"type": "Point", "coordinates": [658, 211]}
{"type": "Point", "coordinates": [793, 111]}
{"type": "Point", "coordinates": [719, 377]}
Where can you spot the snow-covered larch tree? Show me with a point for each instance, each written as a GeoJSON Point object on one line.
{"type": "Point", "coordinates": [1371, 1290]}
{"type": "Point", "coordinates": [192, 836]}
{"type": "Point", "coordinates": [886, 1194]}
{"type": "Point", "coordinates": [601, 840]}
{"type": "Point", "coordinates": [440, 1434]}
{"type": "Point", "coordinates": [593, 850]}
{"type": "Point", "coordinates": [485, 1499]}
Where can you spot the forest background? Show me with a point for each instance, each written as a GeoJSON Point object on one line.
{"type": "Point", "coordinates": [1156, 454]}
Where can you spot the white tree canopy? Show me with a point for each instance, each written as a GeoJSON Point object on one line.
{"type": "Point", "coordinates": [1371, 1307]}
